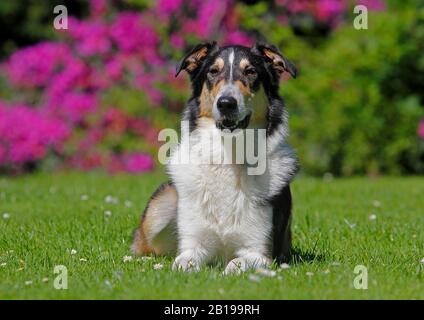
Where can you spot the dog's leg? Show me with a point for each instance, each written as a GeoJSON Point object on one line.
{"type": "Point", "coordinates": [157, 231]}
{"type": "Point", "coordinates": [197, 243]}
{"type": "Point", "coordinates": [252, 248]}
{"type": "Point", "coordinates": [282, 207]}
{"type": "Point", "coordinates": [195, 250]}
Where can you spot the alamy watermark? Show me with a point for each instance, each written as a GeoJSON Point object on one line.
{"type": "Point", "coordinates": [361, 280]}
{"type": "Point", "coordinates": [61, 280]}
{"type": "Point", "coordinates": [361, 20]}
{"type": "Point", "coordinates": [61, 20]}
{"type": "Point", "coordinates": [247, 146]}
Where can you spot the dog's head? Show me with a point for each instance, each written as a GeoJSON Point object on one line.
{"type": "Point", "coordinates": [225, 80]}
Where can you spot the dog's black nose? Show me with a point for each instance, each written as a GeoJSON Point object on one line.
{"type": "Point", "coordinates": [227, 104]}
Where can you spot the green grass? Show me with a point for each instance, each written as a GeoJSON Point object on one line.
{"type": "Point", "coordinates": [332, 234]}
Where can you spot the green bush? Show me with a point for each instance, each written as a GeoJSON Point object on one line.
{"type": "Point", "coordinates": [351, 112]}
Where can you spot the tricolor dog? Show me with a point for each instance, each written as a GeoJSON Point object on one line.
{"type": "Point", "coordinates": [220, 211]}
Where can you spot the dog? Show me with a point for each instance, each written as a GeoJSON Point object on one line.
{"type": "Point", "coordinates": [209, 212]}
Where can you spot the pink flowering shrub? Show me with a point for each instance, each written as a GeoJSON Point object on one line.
{"type": "Point", "coordinates": [97, 96]}
{"type": "Point", "coordinates": [26, 135]}
{"type": "Point", "coordinates": [420, 130]}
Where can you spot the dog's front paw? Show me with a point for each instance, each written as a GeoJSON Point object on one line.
{"type": "Point", "coordinates": [236, 266]}
{"type": "Point", "coordinates": [242, 264]}
{"type": "Point", "coordinates": [185, 262]}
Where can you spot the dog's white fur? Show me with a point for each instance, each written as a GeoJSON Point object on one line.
{"type": "Point", "coordinates": [221, 209]}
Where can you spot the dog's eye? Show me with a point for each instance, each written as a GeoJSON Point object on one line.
{"type": "Point", "coordinates": [213, 71]}
{"type": "Point", "coordinates": [250, 71]}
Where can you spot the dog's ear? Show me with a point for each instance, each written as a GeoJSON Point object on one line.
{"type": "Point", "coordinates": [196, 56]}
{"type": "Point", "coordinates": [274, 58]}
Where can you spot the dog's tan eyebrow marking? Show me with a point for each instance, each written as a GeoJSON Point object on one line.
{"type": "Point", "coordinates": [244, 63]}
{"type": "Point", "coordinates": [219, 63]}
{"type": "Point", "coordinates": [245, 90]}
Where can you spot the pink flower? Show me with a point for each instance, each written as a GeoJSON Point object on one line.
{"type": "Point", "coordinates": [2, 155]}
{"type": "Point", "coordinates": [329, 10]}
{"type": "Point", "coordinates": [75, 106]}
{"type": "Point", "coordinates": [26, 134]}
{"type": "Point", "coordinates": [87, 161]}
{"type": "Point", "coordinates": [210, 16]}
{"type": "Point", "coordinates": [177, 41]}
{"type": "Point", "coordinates": [131, 34]}
{"type": "Point", "coordinates": [34, 66]}
{"type": "Point", "coordinates": [208, 20]}
{"type": "Point", "coordinates": [238, 37]}
{"type": "Point", "coordinates": [168, 7]}
{"type": "Point", "coordinates": [138, 162]}
{"type": "Point", "coordinates": [420, 130]}
{"type": "Point", "coordinates": [98, 7]}
{"type": "Point", "coordinates": [72, 75]}
{"type": "Point", "coordinates": [90, 37]}
{"type": "Point", "coordinates": [114, 68]}
{"type": "Point", "coordinates": [376, 5]}
{"type": "Point", "coordinates": [295, 6]}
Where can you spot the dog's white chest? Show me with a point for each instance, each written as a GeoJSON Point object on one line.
{"type": "Point", "coordinates": [220, 191]}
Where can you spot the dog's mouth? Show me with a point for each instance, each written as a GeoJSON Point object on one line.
{"type": "Point", "coordinates": [233, 124]}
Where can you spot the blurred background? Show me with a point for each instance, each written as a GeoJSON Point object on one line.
{"type": "Point", "coordinates": [95, 96]}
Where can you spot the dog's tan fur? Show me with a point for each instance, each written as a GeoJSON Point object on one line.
{"type": "Point", "coordinates": [207, 98]}
{"type": "Point", "coordinates": [153, 235]}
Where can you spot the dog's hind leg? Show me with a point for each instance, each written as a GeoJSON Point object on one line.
{"type": "Point", "coordinates": [157, 232]}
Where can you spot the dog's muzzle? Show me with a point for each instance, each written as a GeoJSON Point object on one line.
{"type": "Point", "coordinates": [230, 115]}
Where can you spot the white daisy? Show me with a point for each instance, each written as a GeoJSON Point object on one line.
{"type": "Point", "coordinates": [376, 203]}
{"type": "Point", "coordinates": [73, 251]}
{"type": "Point", "coordinates": [84, 197]}
{"type": "Point", "coordinates": [254, 278]}
{"type": "Point", "coordinates": [266, 272]}
{"type": "Point", "coordinates": [158, 266]}
{"type": "Point", "coordinates": [284, 266]}
{"type": "Point", "coordinates": [6, 215]}
{"type": "Point", "coordinates": [372, 217]}
{"type": "Point", "coordinates": [127, 258]}
{"type": "Point", "coordinates": [110, 199]}
{"type": "Point", "coordinates": [28, 282]}
{"type": "Point", "coordinates": [108, 213]}
{"type": "Point", "coordinates": [128, 204]}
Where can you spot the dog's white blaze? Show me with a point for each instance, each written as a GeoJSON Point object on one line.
{"type": "Point", "coordinates": [231, 61]}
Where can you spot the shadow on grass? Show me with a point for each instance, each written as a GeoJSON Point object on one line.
{"type": "Point", "coordinates": [299, 256]}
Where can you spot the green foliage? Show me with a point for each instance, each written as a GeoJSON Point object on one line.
{"type": "Point", "coordinates": [344, 117]}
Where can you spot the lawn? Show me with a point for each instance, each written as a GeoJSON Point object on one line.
{"type": "Point", "coordinates": [85, 222]}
